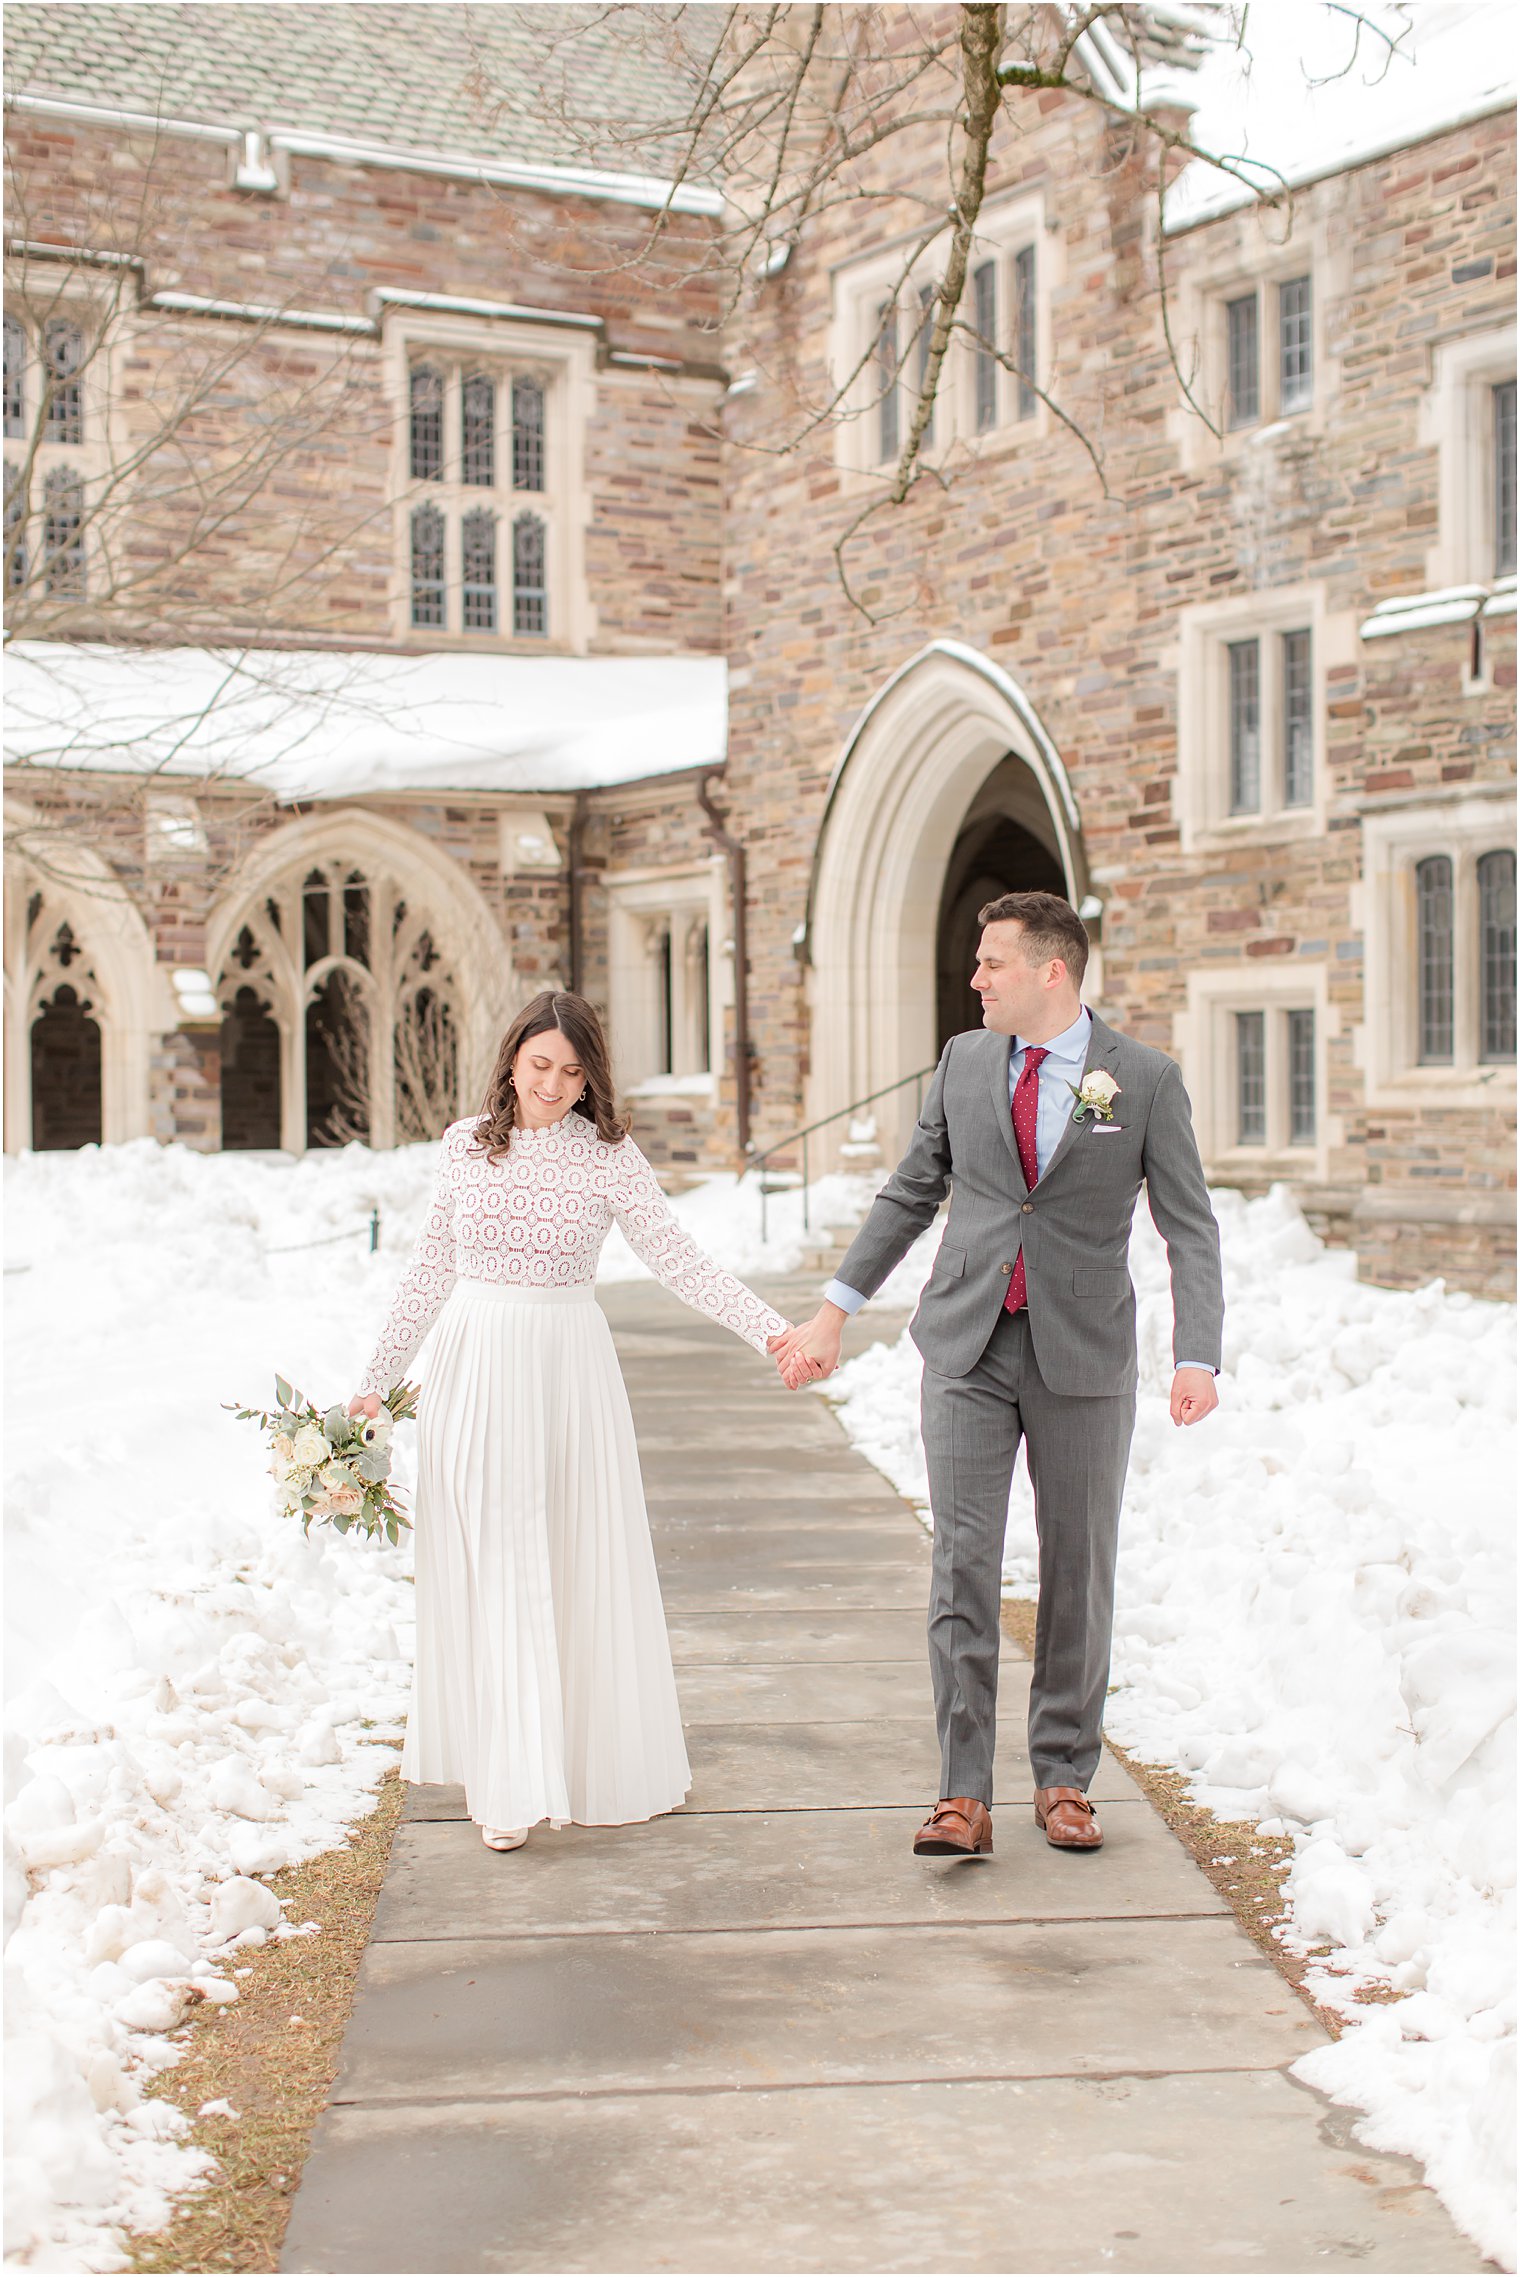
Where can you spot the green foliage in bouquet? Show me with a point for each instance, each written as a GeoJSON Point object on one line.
{"type": "Point", "coordinates": [333, 1467]}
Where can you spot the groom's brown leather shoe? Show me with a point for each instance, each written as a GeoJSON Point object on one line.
{"type": "Point", "coordinates": [957, 1827]}
{"type": "Point", "coordinates": [1068, 1818]}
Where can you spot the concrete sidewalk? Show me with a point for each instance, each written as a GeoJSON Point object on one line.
{"type": "Point", "coordinates": [760, 2035]}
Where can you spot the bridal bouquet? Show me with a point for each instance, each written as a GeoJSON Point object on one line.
{"type": "Point", "coordinates": [333, 1467]}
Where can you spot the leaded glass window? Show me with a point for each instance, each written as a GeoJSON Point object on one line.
{"type": "Point", "coordinates": [1496, 950]}
{"type": "Point", "coordinates": [1504, 480]}
{"type": "Point", "coordinates": [15, 378]}
{"type": "Point", "coordinates": [984, 315]}
{"type": "Point", "coordinates": [1244, 662]}
{"type": "Point", "coordinates": [478, 417]}
{"type": "Point", "coordinates": [1297, 720]}
{"type": "Point", "coordinates": [1295, 345]}
{"type": "Point", "coordinates": [1243, 369]}
{"type": "Point", "coordinates": [1025, 342]}
{"type": "Point", "coordinates": [889, 425]}
{"type": "Point", "coordinates": [1435, 952]}
{"type": "Point", "coordinates": [63, 533]}
{"type": "Point", "coordinates": [426, 437]}
{"type": "Point", "coordinates": [530, 588]}
{"type": "Point", "coordinates": [427, 566]}
{"type": "Point", "coordinates": [63, 348]}
{"type": "Point", "coordinates": [1251, 1078]}
{"type": "Point", "coordinates": [527, 435]}
{"type": "Point", "coordinates": [478, 542]}
{"type": "Point", "coordinates": [927, 299]}
{"type": "Point", "coordinates": [1302, 1116]}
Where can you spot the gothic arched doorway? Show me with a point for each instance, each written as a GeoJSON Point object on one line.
{"type": "Point", "coordinates": [993, 855]}
{"type": "Point", "coordinates": [947, 780]}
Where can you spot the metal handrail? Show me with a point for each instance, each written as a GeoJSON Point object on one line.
{"type": "Point", "coordinates": [795, 1137]}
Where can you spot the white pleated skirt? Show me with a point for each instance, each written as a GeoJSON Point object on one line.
{"type": "Point", "coordinates": [543, 1681]}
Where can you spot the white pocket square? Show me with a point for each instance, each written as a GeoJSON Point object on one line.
{"type": "Point", "coordinates": [1107, 1127]}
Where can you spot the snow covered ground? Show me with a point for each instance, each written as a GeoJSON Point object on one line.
{"type": "Point", "coordinates": [1315, 1620]}
{"type": "Point", "coordinates": [194, 1692]}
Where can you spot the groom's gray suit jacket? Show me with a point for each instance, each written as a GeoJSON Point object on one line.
{"type": "Point", "coordinates": [1073, 1226]}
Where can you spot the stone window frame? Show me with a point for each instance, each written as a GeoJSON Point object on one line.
{"type": "Point", "coordinates": [1218, 262]}
{"type": "Point", "coordinates": [563, 363]}
{"type": "Point", "coordinates": [643, 905]}
{"type": "Point", "coordinates": [77, 301]}
{"type": "Point", "coordinates": [1456, 417]}
{"type": "Point", "coordinates": [1207, 1049]}
{"type": "Point", "coordinates": [1204, 636]}
{"type": "Point", "coordinates": [1394, 842]}
{"type": "Point", "coordinates": [1007, 225]}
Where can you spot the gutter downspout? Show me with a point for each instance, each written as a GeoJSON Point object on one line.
{"type": "Point", "coordinates": [734, 849]}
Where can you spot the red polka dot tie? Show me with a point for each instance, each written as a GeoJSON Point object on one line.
{"type": "Point", "coordinates": [1026, 1116]}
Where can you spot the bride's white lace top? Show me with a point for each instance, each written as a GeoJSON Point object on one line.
{"type": "Point", "coordinates": [538, 1219]}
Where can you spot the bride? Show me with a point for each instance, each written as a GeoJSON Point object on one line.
{"type": "Point", "coordinates": [543, 1679]}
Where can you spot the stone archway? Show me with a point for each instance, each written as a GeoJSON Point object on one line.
{"type": "Point", "coordinates": [381, 970]}
{"type": "Point", "coordinates": [79, 958]}
{"type": "Point", "coordinates": [947, 777]}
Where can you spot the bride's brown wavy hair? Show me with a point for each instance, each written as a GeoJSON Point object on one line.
{"type": "Point", "coordinates": [579, 1023]}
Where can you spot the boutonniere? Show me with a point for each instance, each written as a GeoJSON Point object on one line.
{"type": "Point", "coordinates": [1095, 1096]}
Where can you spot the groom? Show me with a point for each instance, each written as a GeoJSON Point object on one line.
{"type": "Point", "coordinates": [1043, 1129]}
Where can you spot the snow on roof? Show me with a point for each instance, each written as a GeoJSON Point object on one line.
{"type": "Point", "coordinates": [1310, 89]}
{"type": "Point", "coordinates": [314, 724]}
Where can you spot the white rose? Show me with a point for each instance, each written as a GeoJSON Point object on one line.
{"type": "Point", "coordinates": [310, 1446]}
{"type": "Point", "coordinates": [1099, 1087]}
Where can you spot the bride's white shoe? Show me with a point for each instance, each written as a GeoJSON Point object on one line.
{"type": "Point", "coordinates": [503, 1838]}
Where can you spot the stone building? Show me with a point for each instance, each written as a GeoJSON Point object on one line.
{"type": "Point", "coordinates": [1248, 700]}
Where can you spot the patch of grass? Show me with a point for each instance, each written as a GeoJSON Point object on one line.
{"type": "Point", "coordinates": [273, 2055]}
{"type": "Point", "coordinates": [1245, 1866]}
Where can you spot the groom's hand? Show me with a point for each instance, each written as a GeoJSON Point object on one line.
{"type": "Point", "coordinates": [810, 1352]}
{"type": "Point", "coordinates": [1193, 1395]}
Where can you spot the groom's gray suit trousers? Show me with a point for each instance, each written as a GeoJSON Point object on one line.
{"type": "Point", "coordinates": [1077, 1449]}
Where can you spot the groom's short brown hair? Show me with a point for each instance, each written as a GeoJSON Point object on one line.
{"type": "Point", "coordinates": [1051, 926]}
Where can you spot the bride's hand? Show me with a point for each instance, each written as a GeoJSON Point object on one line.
{"type": "Point", "coordinates": [365, 1403]}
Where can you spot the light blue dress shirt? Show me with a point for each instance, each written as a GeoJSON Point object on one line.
{"type": "Point", "coordinates": [1067, 1056]}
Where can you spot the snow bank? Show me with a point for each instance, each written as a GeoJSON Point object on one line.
{"type": "Point", "coordinates": [194, 1691]}
{"type": "Point", "coordinates": [1314, 1620]}
{"type": "Point", "coordinates": [189, 1681]}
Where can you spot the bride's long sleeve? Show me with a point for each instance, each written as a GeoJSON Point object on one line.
{"type": "Point", "coordinates": [425, 1284]}
{"type": "Point", "coordinates": [657, 1235]}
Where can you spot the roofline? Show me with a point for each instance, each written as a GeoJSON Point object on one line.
{"type": "Point", "coordinates": [1304, 177]}
{"type": "Point", "coordinates": [654, 192]}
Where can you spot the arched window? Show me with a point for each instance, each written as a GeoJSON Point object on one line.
{"type": "Point", "coordinates": [66, 1100]}
{"type": "Point", "coordinates": [527, 435]}
{"type": "Point", "coordinates": [530, 589]}
{"type": "Point", "coordinates": [427, 566]}
{"type": "Point", "coordinates": [1435, 953]}
{"type": "Point", "coordinates": [63, 351]}
{"type": "Point", "coordinates": [15, 378]}
{"type": "Point", "coordinates": [1496, 955]}
{"type": "Point", "coordinates": [355, 1035]}
{"type": "Point", "coordinates": [478, 551]}
{"type": "Point", "coordinates": [426, 431]}
{"type": "Point", "coordinates": [63, 533]}
{"type": "Point", "coordinates": [478, 405]}
{"type": "Point", "coordinates": [250, 1070]}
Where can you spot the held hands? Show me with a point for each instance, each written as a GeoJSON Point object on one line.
{"type": "Point", "coordinates": [809, 1353]}
{"type": "Point", "coordinates": [1193, 1395]}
